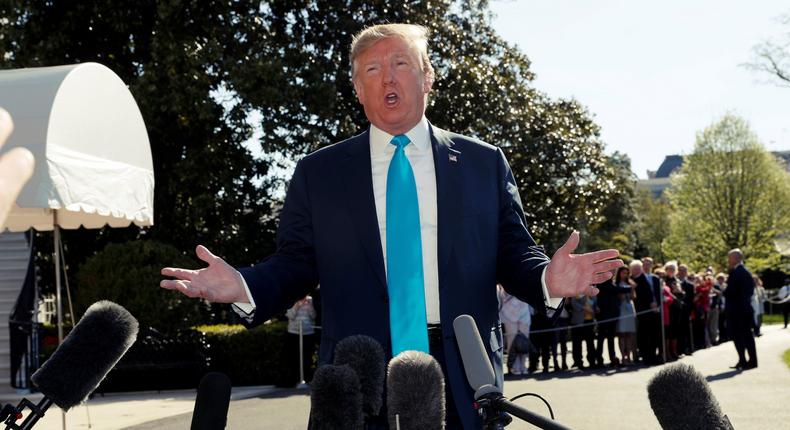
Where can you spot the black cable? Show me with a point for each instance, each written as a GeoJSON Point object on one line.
{"type": "Point", "coordinates": [551, 411]}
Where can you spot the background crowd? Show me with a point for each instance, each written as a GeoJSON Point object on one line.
{"type": "Point", "coordinates": [651, 313]}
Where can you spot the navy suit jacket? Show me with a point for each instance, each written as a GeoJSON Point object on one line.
{"type": "Point", "coordinates": [328, 234]}
{"type": "Point", "coordinates": [738, 294]}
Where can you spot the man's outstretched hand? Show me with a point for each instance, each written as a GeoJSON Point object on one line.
{"type": "Point", "coordinates": [569, 275]}
{"type": "Point", "coordinates": [218, 283]}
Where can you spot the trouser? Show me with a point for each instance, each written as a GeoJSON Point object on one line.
{"type": "Point", "coordinates": [724, 333]}
{"type": "Point", "coordinates": [740, 327]}
{"type": "Point", "coordinates": [758, 322]}
{"type": "Point", "coordinates": [684, 334]}
{"type": "Point", "coordinates": [646, 337]}
{"type": "Point", "coordinates": [713, 325]}
{"type": "Point", "coordinates": [786, 311]}
{"type": "Point", "coordinates": [606, 332]}
{"type": "Point", "coordinates": [583, 334]}
{"type": "Point", "coordinates": [560, 338]}
{"type": "Point", "coordinates": [542, 343]}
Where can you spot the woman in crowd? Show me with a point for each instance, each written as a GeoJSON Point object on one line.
{"type": "Point", "coordinates": [673, 306]}
{"type": "Point", "coordinates": [516, 318]}
{"type": "Point", "coordinates": [758, 304]}
{"type": "Point", "coordinates": [301, 316]}
{"type": "Point", "coordinates": [626, 325]}
{"type": "Point", "coordinates": [702, 287]}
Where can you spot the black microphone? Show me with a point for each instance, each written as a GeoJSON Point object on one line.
{"type": "Point", "coordinates": [681, 399]}
{"type": "Point", "coordinates": [211, 402]}
{"type": "Point", "coordinates": [81, 362]}
{"type": "Point", "coordinates": [335, 399]}
{"type": "Point", "coordinates": [489, 401]}
{"type": "Point", "coordinates": [415, 392]}
{"type": "Point", "coordinates": [366, 357]}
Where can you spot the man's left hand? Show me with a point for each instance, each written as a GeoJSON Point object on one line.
{"type": "Point", "coordinates": [569, 275]}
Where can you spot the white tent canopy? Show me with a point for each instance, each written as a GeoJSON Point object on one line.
{"type": "Point", "coordinates": [93, 158]}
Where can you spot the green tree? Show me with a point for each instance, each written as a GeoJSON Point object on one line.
{"type": "Point", "coordinates": [651, 226]}
{"type": "Point", "coordinates": [730, 193]}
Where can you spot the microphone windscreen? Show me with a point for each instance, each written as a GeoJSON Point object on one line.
{"type": "Point", "coordinates": [477, 365]}
{"type": "Point", "coordinates": [211, 402]}
{"type": "Point", "coordinates": [366, 357]}
{"type": "Point", "coordinates": [681, 399]}
{"type": "Point", "coordinates": [335, 399]}
{"type": "Point", "coordinates": [87, 354]}
{"type": "Point", "coordinates": [415, 392]}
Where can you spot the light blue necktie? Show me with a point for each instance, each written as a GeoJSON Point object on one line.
{"type": "Point", "coordinates": [405, 281]}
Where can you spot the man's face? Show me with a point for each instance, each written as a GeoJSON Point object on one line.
{"type": "Point", "coordinates": [647, 266]}
{"type": "Point", "coordinates": [636, 271]}
{"type": "Point", "coordinates": [682, 272]}
{"type": "Point", "coordinates": [391, 85]}
{"type": "Point", "coordinates": [670, 272]}
{"type": "Point", "coordinates": [732, 260]}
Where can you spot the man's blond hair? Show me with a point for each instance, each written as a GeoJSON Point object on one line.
{"type": "Point", "coordinates": [415, 35]}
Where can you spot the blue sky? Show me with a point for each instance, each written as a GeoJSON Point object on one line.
{"type": "Point", "coordinates": [653, 73]}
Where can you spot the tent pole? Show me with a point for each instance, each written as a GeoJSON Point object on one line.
{"type": "Point", "coordinates": [58, 298]}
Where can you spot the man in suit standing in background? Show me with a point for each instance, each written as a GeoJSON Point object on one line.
{"type": "Point", "coordinates": [646, 339]}
{"type": "Point", "coordinates": [405, 226]}
{"type": "Point", "coordinates": [738, 307]}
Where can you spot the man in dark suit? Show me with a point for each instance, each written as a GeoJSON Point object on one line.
{"type": "Point", "coordinates": [608, 308]}
{"type": "Point", "coordinates": [738, 307]}
{"type": "Point", "coordinates": [405, 226]}
{"type": "Point", "coordinates": [646, 329]}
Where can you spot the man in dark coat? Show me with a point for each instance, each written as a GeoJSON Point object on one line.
{"type": "Point", "coordinates": [646, 330]}
{"type": "Point", "coordinates": [738, 307]}
{"type": "Point", "coordinates": [685, 336]}
{"type": "Point", "coordinates": [608, 307]}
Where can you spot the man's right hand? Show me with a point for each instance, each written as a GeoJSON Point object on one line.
{"type": "Point", "coordinates": [218, 283]}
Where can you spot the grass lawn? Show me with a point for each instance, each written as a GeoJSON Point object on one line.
{"type": "Point", "coordinates": [773, 319]}
{"type": "Point", "coordinates": [786, 358]}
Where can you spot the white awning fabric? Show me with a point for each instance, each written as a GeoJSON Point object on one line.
{"type": "Point", "coordinates": [93, 158]}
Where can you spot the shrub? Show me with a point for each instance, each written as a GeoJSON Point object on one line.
{"type": "Point", "coordinates": [129, 274]}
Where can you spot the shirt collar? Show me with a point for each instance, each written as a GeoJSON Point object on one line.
{"type": "Point", "coordinates": [419, 135]}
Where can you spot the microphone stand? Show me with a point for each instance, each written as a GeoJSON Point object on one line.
{"type": "Point", "coordinates": [496, 411]}
{"type": "Point", "coordinates": [9, 414]}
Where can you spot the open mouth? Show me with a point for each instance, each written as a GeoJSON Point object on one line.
{"type": "Point", "coordinates": [391, 99]}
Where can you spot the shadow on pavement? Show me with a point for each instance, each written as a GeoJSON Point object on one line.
{"type": "Point", "coordinates": [722, 375]}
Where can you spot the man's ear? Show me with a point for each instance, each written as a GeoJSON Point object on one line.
{"type": "Point", "coordinates": [427, 83]}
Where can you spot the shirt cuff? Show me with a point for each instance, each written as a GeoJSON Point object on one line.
{"type": "Point", "coordinates": [245, 310]}
{"type": "Point", "coordinates": [551, 302]}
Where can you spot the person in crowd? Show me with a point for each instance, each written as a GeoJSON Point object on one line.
{"type": "Point", "coordinates": [784, 293]}
{"type": "Point", "coordinates": [582, 310]}
{"type": "Point", "coordinates": [647, 335]}
{"type": "Point", "coordinates": [649, 269]}
{"type": "Point", "coordinates": [541, 340]}
{"type": "Point", "coordinates": [301, 320]}
{"type": "Point", "coordinates": [671, 311]}
{"type": "Point", "coordinates": [626, 325]}
{"type": "Point", "coordinates": [715, 309]}
{"type": "Point", "coordinates": [516, 317]}
{"type": "Point", "coordinates": [561, 338]}
{"type": "Point", "coordinates": [740, 314]}
{"type": "Point", "coordinates": [607, 313]}
{"type": "Point", "coordinates": [724, 332]}
{"type": "Point", "coordinates": [758, 304]}
{"type": "Point", "coordinates": [685, 335]}
{"type": "Point", "coordinates": [702, 287]}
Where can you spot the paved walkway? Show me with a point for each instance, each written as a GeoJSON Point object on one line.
{"type": "Point", "coordinates": [581, 399]}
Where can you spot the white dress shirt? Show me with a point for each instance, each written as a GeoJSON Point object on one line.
{"type": "Point", "coordinates": [420, 155]}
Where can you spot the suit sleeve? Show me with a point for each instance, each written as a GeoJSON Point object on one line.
{"type": "Point", "coordinates": [291, 273]}
{"type": "Point", "coordinates": [520, 261]}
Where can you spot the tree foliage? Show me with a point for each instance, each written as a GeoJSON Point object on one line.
{"type": "Point", "coordinates": [651, 226]}
{"type": "Point", "coordinates": [730, 193]}
{"type": "Point", "coordinates": [214, 79]}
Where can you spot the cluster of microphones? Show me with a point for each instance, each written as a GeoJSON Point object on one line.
{"type": "Point", "coordinates": [347, 393]}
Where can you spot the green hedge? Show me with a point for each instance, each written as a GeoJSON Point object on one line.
{"type": "Point", "coordinates": [250, 357]}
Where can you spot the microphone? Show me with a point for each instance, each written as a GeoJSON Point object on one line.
{"type": "Point", "coordinates": [415, 392]}
{"type": "Point", "coordinates": [365, 356]}
{"type": "Point", "coordinates": [81, 362]}
{"type": "Point", "coordinates": [211, 402]}
{"type": "Point", "coordinates": [681, 399]}
{"type": "Point", "coordinates": [491, 404]}
{"type": "Point", "coordinates": [335, 399]}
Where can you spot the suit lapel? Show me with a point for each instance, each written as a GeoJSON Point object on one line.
{"type": "Point", "coordinates": [447, 162]}
{"type": "Point", "coordinates": [361, 204]}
